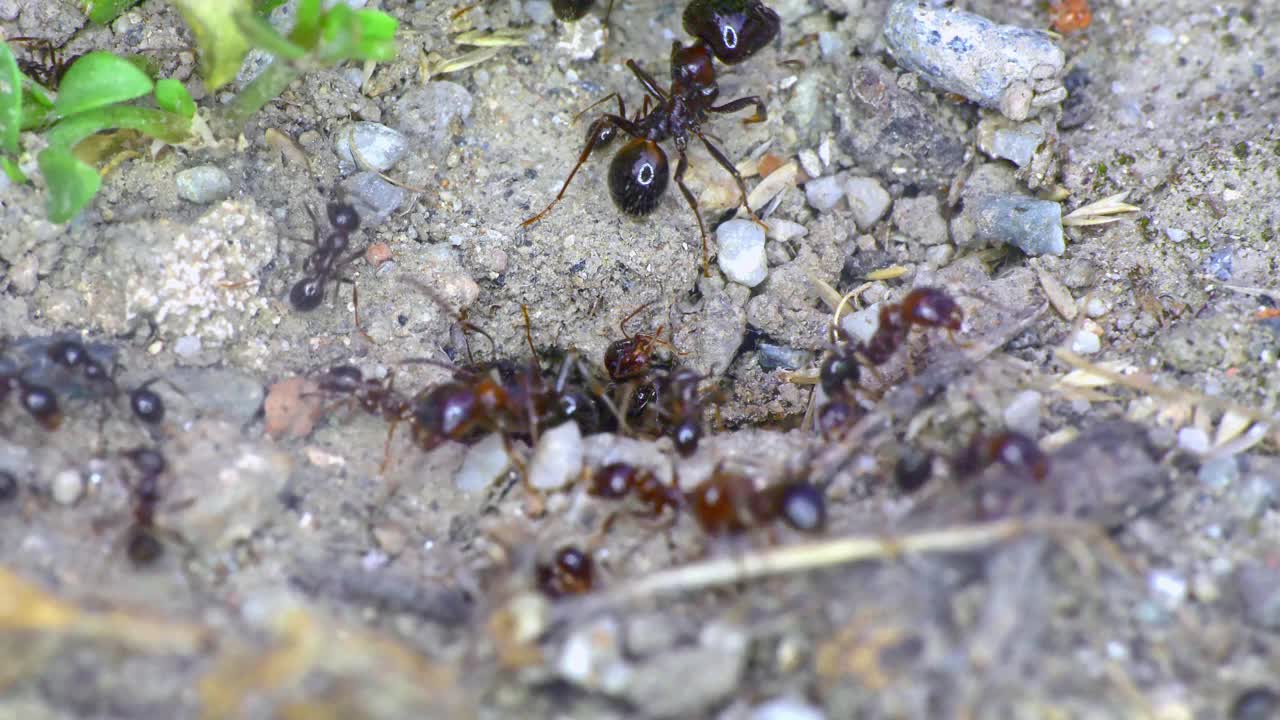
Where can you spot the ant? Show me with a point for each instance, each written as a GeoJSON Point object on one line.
{"type": "Point", "coordinates": [38, 401]}
{"type": "Point", "coordinates": [638, 174]}
{"type": "Point", "coordinates": [1012, 449]}
{"type": "Point", "coordinates": [616, 481]}
{"type": "Point", "coordinates": [144, 546]}
{"type": "Point", "coordinates": [376, 398]}
{"type": "Point", "coordinates": [49, 66]}
{"type": "Point", "coordinates": [329, 256]}
{"type": "Point", "coordinates": [570, 572]}
{"type": "Point", "coordinates": [730, 503]}
{"type": "Point", "coordinates": [734, 30]}
{"type": "Point", "coordinates": [8, 486]}
{"type": "Point", "coordinates": [680, 409]}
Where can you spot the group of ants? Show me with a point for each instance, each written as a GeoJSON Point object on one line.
{"type": "Point", "coordinates": [644, 389]}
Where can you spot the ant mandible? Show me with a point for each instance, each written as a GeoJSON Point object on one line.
{"type": "Point", "coordinates": [638, 174]}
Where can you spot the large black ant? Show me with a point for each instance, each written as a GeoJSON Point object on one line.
{"type": "Point", "coordinates": [40, 402]}
{"type": "Point", "coordinates": [329, 257]}
{"type": "Point", "coordinates": [143, 545]}
{"type": "Point", "coordinates": [638, 174]}
{"type": "Point", "coordinates": [734, 30]}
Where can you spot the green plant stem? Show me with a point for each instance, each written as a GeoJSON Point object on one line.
{"type": "Point", "coordinates": [263, 89]}
{"type": "Point", "coordinates": [169, 127]}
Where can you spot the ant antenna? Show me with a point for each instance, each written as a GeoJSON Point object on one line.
{"type": "Point", "coordinates": [460, 316]}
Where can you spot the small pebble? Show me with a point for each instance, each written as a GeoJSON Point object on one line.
{"type": "Point", "coordinates": [773, 357]}
{"type": "Point", "coordinates": [592, 657]}
{"type": "Point", "coordinates": [539, 11]}
{"type": "Point", "coordinates": [484, 463]}
{"type": "Point", "coordinates": [377, 254]}
{"type": "Point", "coordinates": [1033, 226]}
{"type": "Point", "coordinates": [862, 324]}
{"type": "Point", "coordinates": [8, 486]}
{"type": "Point", "coordinates": [1193, 440]}
{"type": "Point", "coordinates": [379, 147]}
{"type": "Point", "coordinates": [558, 458]}
{"type": "Point", "coordinates": [1086, 343]}
{"type": "Point", "coordinates": [823, 193]}
{"type": "Point", "coordinates": [920, 218]}
{"type": "Point", "coordinates": [1177, 234]}
{"type": "Point", "coordinates": [868, 199]}
{"type": "Point", "coordinates": [1096, 307]}
{"type": "Point", "coordinates": [1259, 586]}
{"type": "Point", "coordinates": [742, 257]}
{"type": "Point", "coordinates": [830, 45]}
{"type": "Point", "coordinates": [24, 276]}
{"type": "Point", "coordinates": [1160, 35]}
{"type": "Point", "coordinates": [786, 708]}
{"type": "Point", "coordinates": [391, 538]}
{"type": "Point", "coordinates": [1219, 473]}
{"type": "Point", "coordinates": [784, 230]}
{"type": "Point", "coordinates": [810, 163]}
{"type": "Point", "coordinates": [1169, 588]}
{"type": "Point", "coordinates": [1023, 413]}
{"type": "Point", "coordinates": [67, 488]}
{"type": "Point", "coordinates": [378, 198]}
{"type": "Point", "coordinates": [188, 345]}
{"type": "Point", "coordinates": [203, 184]}
{"type": "Point", "coordinates": [291, 408]}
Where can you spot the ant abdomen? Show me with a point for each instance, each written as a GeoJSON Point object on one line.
{"type": "Point", "coordinates": [307, 294]}
{"type": "Point", "coordinates": [638, 177]}
{"type": "Point", "coordinates": [733, 29]}
{"type": "Point", "coordinates": [570, 10]}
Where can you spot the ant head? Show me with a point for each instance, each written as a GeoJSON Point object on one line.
{"type": "Point", "coordinates": [570, 10]}
{"type": "Point", "coordinates": [41, 404]}
{"type": "Point", "coordinates": [68, 353]}
{"type": "Point", "coordinates": [144, 547]}
{"type": "Point", "coordinates": [838, 372]}
{"type": "Point", "coordinates": [733, 29]}
{"type": "Point", "coordinates": [148, 461]}
{"type": "Point", "coordinates": [802, 506]}
{"type": "Point", "coordinates": [638, 177]}
{"type": "Point", "coordinates": [307, 294]}
{"type": "Point", "coordinates": [146, 404]}
{"type": "Point", "coordinates": [932, 307]}
{"type": "Point", "coordinates": [691, 67]}
{"type": "Point", "coordinates": [343, 217]}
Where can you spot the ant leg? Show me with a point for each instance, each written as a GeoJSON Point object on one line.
{"type": "Point", "coordinates": [528, 334]}
{"type": "Point", "coordinates": [355, 308]}
{"type": "Point", "coordinates": [737, 176]}
{"type": "Point", "coordinates": [650, 85]}
{"type": "Point", "coordinates": [386, 447]}
{"type": "Point", "coordinates": [681, 165]}
{"type": "Point", "coordinates": [735, 105]}
{"type": "Point", "coordinates": [593, 136]}
{"type": "Point", "coordinates": [622, 109]}
{"type": "Point", "coordinates": [622, 326]}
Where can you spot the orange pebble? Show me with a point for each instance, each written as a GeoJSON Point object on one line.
{"type": "Point", "coordinates": [1070, 15]}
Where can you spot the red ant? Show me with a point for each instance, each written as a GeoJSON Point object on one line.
{"type": "Point", "coordinates": [680, 409]}
{"type": "Point", "coordinates": [730, 503]}
{"type": "Point", "coordinates": [1012, 449]}
{"type": "Point", "coordinates": [734, 30]}
{"type": "Point", "coordinates": [616, 481]}
{"type": "Point", "coordinates": [638, 174]}
{"type": "Point", "coordinates": [38, 401]}
{"type": "Point", "coordinates": [570, 572]}
{"type": "Point", "coordinates": [144, 546]}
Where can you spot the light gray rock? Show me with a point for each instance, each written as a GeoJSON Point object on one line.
{"type": "Point", "coordinates": [431, 113]}
{"type": "Point", "coordinates": [558, 458]}
{"type": "Point", "coordinates": [824, 193]}
{"type": "Point", "coordinates": [920, 218]}
{"type": "Point", "coordinates": [378, 146]}
{"type": "Point", "coordinates": [741, 252]}
{"type": "Point", "coordinates": [1033, 226]}
{"type": "Point", "coordinates": [868, 199]}
{"type": "Point", "coordinates": [375, 198]}
{"type": "Point", "coordinates": [203, 184]}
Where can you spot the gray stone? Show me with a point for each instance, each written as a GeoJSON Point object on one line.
{"type": "Point", "coordinates": [920, 218]}
{"type": "Point", "coordinates": [704, 675]}
{"type": "Point", "coordinates": [784, 230]}
{"type": "Point", "coordinates": [823, 193]}
{"type": "Point", "coordinates": [539, 11]}
{"type": "Point", "coordinates": [773, 357]}
{"type": "Point", "coordinates": [896, 133]}
{"type": "Point", "coordinates": [786, 708]}
{"type": "Point", "coordinates": [1033, 226]}
{"type": "Point", "coordinates": [868, 199]}
{"type": "Point", "coordinates": [430, 113]}
{"type": "Point", "coordinates": [713, 335]}
{"type": "Point", "coordinates": [558, 458]}
{"type": "Point", "coordinates": [376, 199]}
{"type": "Point", "coordinates": [379, 147]}
{"type": "Point", "coordinates": [830, 45]}
{"type": "Point", "coordinates": [1016, 142]}
{"type": "Point", "coordinates": [1219, 473]}
{"type": "Point", "coordinates": [741, 252]}
{"type": "Point", "coordinates": [1002, 67]}
{"type": "Point", "coordinates": [203, 184]}
{"type": "Point", "coordinates": [1259, 587]}
{"type": "Point", "coordinates": [219, 392]}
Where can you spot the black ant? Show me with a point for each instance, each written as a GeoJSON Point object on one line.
{"type": "Point", "coordinates": [570, 572]}
{"type": "Point", "coordinates": [730, 503]}
{"type": "Point", "coordinates": [638, 174]}
{"type": "Point", "coordinates": [49, 67]}
{"type": "Point", "coordinates": [329, 257]}
{"type": "Point", "coordinates": [8, 486]}
{"type": "Point", "coordinates": [72, 354]}
{"type": "Point", "coordinates": [40, 402]}
{"type": "Point", "coordinates": [375, 397]}
{"type": "Point", "coordinates": [680, 409]}
{"type": "Point", "coordinates": [734, 30]}
{"type": "Point", "coordinates": [144, 546]}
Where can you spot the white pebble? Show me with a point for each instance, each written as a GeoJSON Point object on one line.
{"type": "Point", "coordinates": [67, 488]}
{"type": "Point", "coordinates": [187, 345]}
{"type": "Point", "coordinates": [1177, 234]}
{"type": "Point", "coordinates": [485, 462]}
{"type": "Point", "coordinates": [558, 458]}
{"type": "Point", "coordinates": [1193, 440]}
{"type": "Point", "coordinates": [1086, 343]}
{"type": "Point", "coordinates": [823, 193]}
{"type": "Point", "coordinates": [1023, 413]}
{"type": "Point", "coordinates": [868, 199]}
{"type": "Point", "coordinates": [1096, 307]}
{"type": "Point", "coordinates": [785, 230]}
{"type": "Point", "coordinates": [1169, 588]}
{"type": "Point", "coordinates": [810, 163]}
{"type": "Point", "coordinates": [786, 708]}
{"type": "Point", "coordinates": [742, 257]}
{"type": "Point", "coordinates": [861, 325]}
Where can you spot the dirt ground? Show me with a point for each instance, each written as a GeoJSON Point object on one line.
{"type": "Point", "coordinates": [1139, 579]}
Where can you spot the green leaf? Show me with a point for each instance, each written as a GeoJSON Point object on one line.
{"type": "Point", "coordinates": [71, 183]}
{"type": "Point", "coordinates": [172, 96]}
{"type": "Point", "coordinates": [337, 34]}
{"type": "Point", "coordinates": [265, 7]}
{"type": "Point", "coordinates": [166, 126]}
{"type": "Point", "coordinates": [104, 11]}
{"type": "Point", "coordinates": [306, 25]}
{"type": "Point", "coordinates": [261, 35]}
{"type": "Point", "coordinates": [99, 79]}
{"type": "Point", "coordinates": [376, 34]}
{"type": "Point", "coordinates": [10, 100]}
{"type": "Point", "coordinates": [221, 41]}
{"type": "Point", "coordinates": [10, 167]}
